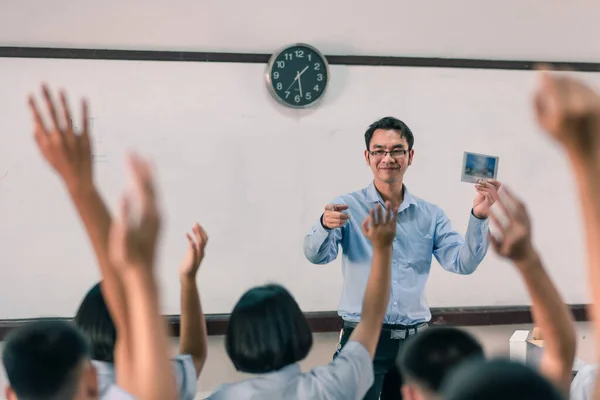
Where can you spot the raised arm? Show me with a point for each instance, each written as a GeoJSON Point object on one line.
{"type": "Point", "coordinates": [133, 238]}
{"type": "Point", "coordinates": [321, 242]}
{"type": "Point", "coordinates": [463, 255]}
{"type": "Point", "coordinates": [380, 229]}
{"type": "Point", "coordinates": [193, 339]}
{"type": "Point", "coordinates": [550, 313]}
{"type": "Point", "coordinates": [69, 153]}
{"type": "Point", "coordinates": [569, 111]}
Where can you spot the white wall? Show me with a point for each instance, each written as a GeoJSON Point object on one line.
{"type": "Point", "coordinates": [513, 29]}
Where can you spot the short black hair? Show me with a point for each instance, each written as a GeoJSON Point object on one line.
{"type": "Point", "coordinates": [429, 356]}
{"type": "Point", "coordinates": [498, 379]}
{"type": "Point", "coordinates": [267, 331]}
{"type": "Point", "coordinates": [95, 321]}
{"type": "Point", "coordinates": [43, 359]}
{"type": "Point", "coordinates": [390, 123]}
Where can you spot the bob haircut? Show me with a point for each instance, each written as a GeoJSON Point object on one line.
{"type": "Point", "coordinates": [267, 331]}
{"type": "Point", "coordinates": [94, 320]}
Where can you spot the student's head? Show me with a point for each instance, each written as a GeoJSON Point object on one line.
{"type": "Point", "coordinates": [94, 320]}
{"type": "Point", "coordinates": [267, 331]}
{"type": "Point", "coordinates": [49, 360]}
{"type": "Point", "coordinates": [497, 380]}
{"type": "Point", "coordinates": [394, 137]}
{"type": "Point", "coordinates": [429, 356]}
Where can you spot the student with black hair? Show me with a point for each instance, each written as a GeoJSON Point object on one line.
{"type": "Point", "coordinates": [69, 153]}
{"type": "Point", "coordinates": [269, 335]}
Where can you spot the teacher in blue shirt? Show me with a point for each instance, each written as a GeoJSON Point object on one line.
{"type": "Point", "coordinates": [423, 230]}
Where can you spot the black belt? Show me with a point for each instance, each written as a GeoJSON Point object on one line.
{"type": "Point", "coordinates": [397, 331]}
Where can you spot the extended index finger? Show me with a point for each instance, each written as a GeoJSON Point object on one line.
{"type": "Point", "coordinates": [39, 122]}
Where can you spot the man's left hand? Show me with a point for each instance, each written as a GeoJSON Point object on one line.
{"type": "Point", "coordinates": [487, 194]}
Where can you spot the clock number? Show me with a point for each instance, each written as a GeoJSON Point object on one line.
{"type": "Point", "coordinates": [308, 96]}
{"type": "Point", "coordinates": [287, 94]}
{"type": "Point", "coordinates": [316, 88]}
{"type": "Point", "coordinates": [317, 66]}
{"type": "Point", "coordinates": [288, 56]}
{"type": "Point", "coordinates": [299, 53]}
{"type": "Point", "coordinates": [297, 98]}
{"type": "Point", "coordinates": [280, 64]}
{"type": "Point", "coordinates": [275, 75]}
{"type": "Point", "coordinates": [319, 77]}
{"type": "Point", "coordinates": [279, 86]}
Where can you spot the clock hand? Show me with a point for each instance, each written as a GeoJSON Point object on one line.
{"type": "Point", "coordinates": [300, 85]}
{"type": "Point", "coordinates": [298, 74]}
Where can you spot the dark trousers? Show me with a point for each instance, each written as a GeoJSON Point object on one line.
{"type": "Point", "coordinates": [388, 380]}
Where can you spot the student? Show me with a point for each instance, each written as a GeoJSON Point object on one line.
{"type": "Point", "coordinates": [430, 356]}
{"type": "Point", "coordinates": [48, 360]}
{"type": "Point", "coordinates": [269, 335]}
{"type": "Point", "coordinates": [497, 380]}
{"type": "Point", "coordinates": [94, 319]}
{"type": "Point", "coordinates": [569, 112]}
{"type": "Point", "coordinates": [69, 154]}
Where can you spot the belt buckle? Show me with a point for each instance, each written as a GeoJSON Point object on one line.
{"type": "Point", "coordinates": [398, 333]}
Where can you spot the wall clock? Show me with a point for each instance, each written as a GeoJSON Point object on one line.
{"type": "Point", "coordinates": [298, 75]}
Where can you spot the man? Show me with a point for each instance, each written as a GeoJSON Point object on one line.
{"type": "Point", "coordinates": [423, 230]}
{"type": "Point", "coordinates": [429, 358]}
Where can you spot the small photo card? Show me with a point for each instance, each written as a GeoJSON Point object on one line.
{"type": "Point", "coordinates": [478, 166]}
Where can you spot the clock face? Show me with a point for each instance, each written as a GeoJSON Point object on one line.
{"type": "Point", "coordinates": [298, 75]}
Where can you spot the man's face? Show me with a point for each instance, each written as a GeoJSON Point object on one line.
{"type": "Point", "coordinates": [388, 156]}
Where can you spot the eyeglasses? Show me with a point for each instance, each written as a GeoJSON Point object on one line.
{"type": "Point", "coordinates": [396, 153]}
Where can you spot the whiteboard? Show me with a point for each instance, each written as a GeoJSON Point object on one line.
{"type": "Point", "coordinates": [257, 175]}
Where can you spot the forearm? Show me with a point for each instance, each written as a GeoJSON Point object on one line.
{"type": "Point", "coordinates": [193, 326]}
{"type": "Point", "coordinates": [587, 171]}
{"type": "Point", "coordinates": [97, 220]}
{"type": "Point", "coordinates": [554, 318]}
{"type": "Point", "coordinates": [320, 245]}
{"type": "Point", "coordinates": [463, 256]}
{"type": "Point", "coordinates": [150, 349]}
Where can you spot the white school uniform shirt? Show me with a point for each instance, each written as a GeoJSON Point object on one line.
{"type": "Point", "coordinates": [183, 366]}
{"type": "Point", "coordinates": [349, 376]}
{"type": "Point", "coordinates": [114, 392]}
{"type": "Point", "coordinates": [582, 387]}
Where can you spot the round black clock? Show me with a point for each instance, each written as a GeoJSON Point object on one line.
{"type": "Point", "coordinates": [298, 75]}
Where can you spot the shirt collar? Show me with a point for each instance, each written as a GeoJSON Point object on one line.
{"type": "Point", "coordinates": [373, 196]}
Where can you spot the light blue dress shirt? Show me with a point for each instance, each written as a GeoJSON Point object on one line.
{"type": "Point", "coordinates": [183, 367]}
{"type": "Point", "coordinates": [349, 376]}
{"type": "Point", "coordinates": [423, 230]}
{"type": "Point", "coordinates": [582, 387]}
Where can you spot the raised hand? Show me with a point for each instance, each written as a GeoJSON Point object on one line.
{"type": "Point", "coordinates": [380, 226]}
{"type": "Point", "coordinates": [333, 217]}
{"type": "Point", "coordinates": [134, 231]}
{"type": "Point", "coordinates": [487, 195]}
{"type": "Point", "coordinates": [511, 219]}
{"type": "Point", "coordinates": [68, 152]}
{"type": "Point", "coordinates": [195, 253]}
{"type": "Point", "coordinates": [569, 111]}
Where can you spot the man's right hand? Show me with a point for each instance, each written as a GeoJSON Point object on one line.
{"type": "Point", "coordinates": [333, 217]}
{"type": "Point", "coordinates": [68, 152]}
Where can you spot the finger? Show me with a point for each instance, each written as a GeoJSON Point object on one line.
{"type": "Point", "coordinates": [191, 241]}
{"type": "Point", "coordinates": [365, 226]}
{"type": "Point", "coordinates": [197, 232]}
{"type": "Point", "coordinates": [340, 207]}
{"type": "Point", "coordinates": [39, 122]}
{"type": "Point", "coordinates": [69, 135]}
{"type": "Point", "coordinates": [509, 201]}
{"type": "Point", "coordinates": [378, 215]}
{"type": "Point", "coordinates": [143, 184]}
{"type": "Point", "coordinates": [85, 131]}
{"type": "Point", "coordinates": [498, 217]}
{"type": "Point", "coordinates": [495, 183]}
{"type": "Point", "coordinates": [51, 108]}
{"type": "Point", "coordinates": [372, 215]}
{"type": "Point", "coordinates": [202, 234]}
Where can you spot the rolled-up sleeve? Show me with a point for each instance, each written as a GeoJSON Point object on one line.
{"type": "Point", "coordinates": [185, 374]}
